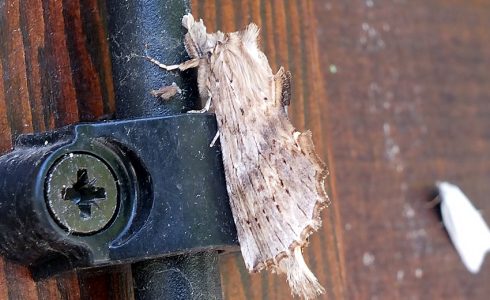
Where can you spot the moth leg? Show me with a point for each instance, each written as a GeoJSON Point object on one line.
{"type": "Point", "coordinates": [434, 202]}
{"type": "Point", "coordinates": [303, 141]}
{"type": "Point", "coordinates": [211, 145]}
{"type": "Point", "coordinates": [192, 63]}
{"type": "Point", "coordinates": [296, 136]}
{"type": "Point", "coordinates": [205, 108]}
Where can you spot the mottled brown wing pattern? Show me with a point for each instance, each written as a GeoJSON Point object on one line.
{"type": "Point", "coordinates": [274, 177]}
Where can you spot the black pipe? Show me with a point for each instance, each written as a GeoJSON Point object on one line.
{"type": "Point", "coordinates": [188, 276]}
{"type": "Point", "coordinates": [155, 26]}
{"type": "Point", "coordinates": [148, 26]}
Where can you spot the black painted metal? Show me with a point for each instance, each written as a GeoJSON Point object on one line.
{"type": "Point", "coordinates": [188, 276]}
{"type": "Point", "coordinates": [172, 194]}
{"type": "Point", "coordinates": [155, 26]}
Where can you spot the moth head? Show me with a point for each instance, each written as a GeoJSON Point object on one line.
{"type": "Point", "coordinates": [198, 43]}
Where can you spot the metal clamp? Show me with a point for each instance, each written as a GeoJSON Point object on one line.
{"type": "Point", "coordinates": [108, 193]}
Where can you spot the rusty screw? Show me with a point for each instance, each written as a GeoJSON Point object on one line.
{"type": "Point", "coordinates": [81, 193]}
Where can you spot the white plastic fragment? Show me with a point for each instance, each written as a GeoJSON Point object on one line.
{"type": "Point", "coordinates": [466, 227]}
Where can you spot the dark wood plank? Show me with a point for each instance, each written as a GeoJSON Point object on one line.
{"type": "Point", "coordinates": [13, 68]}
{"type": "Point", "coordinates": [3, 282]}
{"type": "Point", "coordinates": [33, 31]}
{"type": "Point", "coordinates": [55, 68]}
{"type": "Point", "coordinates": [113, 283]}
{"type": "Point", "coordinates": [408, 105]}
{"type": "Point", "coordinates": [6, 142]}
{"type": "Point", "coordinates": [19, 282]}
{"type": "Point", "coordinates": [56, 56]}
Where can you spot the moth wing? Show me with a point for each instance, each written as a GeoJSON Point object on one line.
{"type": "Point", "coordinates": [274, 178]}
{"type": "Point", "coordinates": [465, 226]}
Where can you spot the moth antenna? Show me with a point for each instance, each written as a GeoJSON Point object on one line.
{"type": "Point", "coordinates": [301, 280]}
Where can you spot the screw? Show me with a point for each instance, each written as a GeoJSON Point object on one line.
{"type": "Point", "coordinates": [81, 193]}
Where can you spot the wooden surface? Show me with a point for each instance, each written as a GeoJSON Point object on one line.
{"type": "Point", "coordinates": [408, 105]}
{"type": "Point", "coordinates": [395, 92]}
{"type": "Point", "coordinates": [55, 65]}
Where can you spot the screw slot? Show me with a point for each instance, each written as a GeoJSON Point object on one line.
{"type": "Point", "coordinates": [82, 193]}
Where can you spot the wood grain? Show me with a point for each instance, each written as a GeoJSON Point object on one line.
{"type": "Point", "coordinates": [408, 105]}
{"type": "Point", "coordinates": [5, 134]}
{"type": "Point", "coordinates": [395, 93]}
{"type": "Point", "coordinates": [52, 75]}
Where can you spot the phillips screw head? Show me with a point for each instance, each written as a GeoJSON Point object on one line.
{"type": "Point", "coordinates": [82, 193]}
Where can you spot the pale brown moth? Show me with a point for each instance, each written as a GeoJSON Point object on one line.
{"type": "Point", "coordinates": [274, 178]}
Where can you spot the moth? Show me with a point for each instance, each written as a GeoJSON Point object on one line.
{"type": "Point", "coordinates": [465, 226]}
{"type": "Point", "coordinates": [275, 180]}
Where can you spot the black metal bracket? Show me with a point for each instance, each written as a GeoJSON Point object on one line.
{"type": "Point", "coordinates": [131, 190]}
